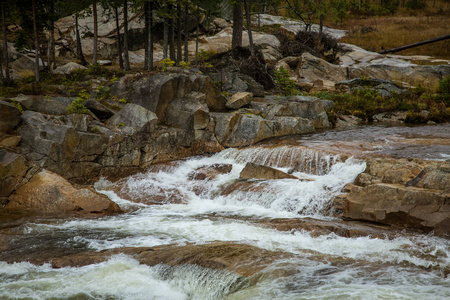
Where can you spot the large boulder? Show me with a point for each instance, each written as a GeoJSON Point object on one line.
{"type": "Point", "coordinates": [234, 82]}
{"type": "Point", "coordinates": [134, 118]}
{"type": "Point", "coordinates": [44, 104]}
{"type": "Point", "coordinates": [238, 130]}
{"type": "Point", "coordinates": [310, 108]}
{"type": "Point", "coordinates": [164, 91]}
{"type": "Point", "coordinates": [68, 68]}
{"type": "Point", "coordinates": [9, 117]}
{"type": "Point", "coordinates": [400, 206]}
{"type": "Point", "coordinates": [15, 170]}
{"type": "Point", "coordinates": [238, 100]}
{"type": "Point", "coordinates": [49, 193]}
{"type": "Point", "coordinates": [404, 193]}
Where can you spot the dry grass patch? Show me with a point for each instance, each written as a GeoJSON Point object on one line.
{"type": "Point", "coordinates": [377, 33]}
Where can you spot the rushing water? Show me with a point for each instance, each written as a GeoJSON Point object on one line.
{"type": "Point", "coordinates": [199, 211]}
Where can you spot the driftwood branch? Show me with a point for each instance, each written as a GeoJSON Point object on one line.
{"type": "Point", "coordinates": [393, 50]}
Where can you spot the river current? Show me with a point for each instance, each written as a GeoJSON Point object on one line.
{"type": "Point", "coordinates": [166, 206]}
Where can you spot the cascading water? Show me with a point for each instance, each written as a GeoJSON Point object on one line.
{"type": "Point", "coordinates": [224, 208]}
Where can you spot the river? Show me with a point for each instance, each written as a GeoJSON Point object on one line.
{"type": "Point", "coordinates": [165, 205]}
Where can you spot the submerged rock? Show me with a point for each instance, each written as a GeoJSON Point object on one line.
{"type": "Point", "coordinates": [243, 259]}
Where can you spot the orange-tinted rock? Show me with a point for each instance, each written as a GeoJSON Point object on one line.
{"type": "Point", "coordinates": [49, 193]}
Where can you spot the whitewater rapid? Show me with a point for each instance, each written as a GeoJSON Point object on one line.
{"type": "Point", "coordinates": [323, 267]}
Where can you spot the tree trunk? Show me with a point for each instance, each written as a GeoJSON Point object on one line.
{"type": "Point", "coordinates": [51, 42]}
{"type": "Point", "coordinates": [248, 4]}
{"type": "Point", "coordinates": [186, 34]}
{"type": "Point", "coordinates": [165, 38]}
{"type": "Point", "coordinates": [5, 45]}
{"type": "Point", "coordinates": [172, 35]}
{"type": "Point", "coordinates": [79, 48]}
{"type": "Point", "coordinates": [150, 37]}
{"type": "Point", "coordinates": [393, 50]}
{"type": "Point", "coordinates": [236, 40]}
{"type": "Point", "coordinates": [179, 41]}
{"type": "Point", "coordinates": [36, 40]}
{"type": "Point", "coordinates": [94, 12]}
{"type": "Point", "coordinates": [126, 59]}
{"type": "Point", "coordinates": [146, 55]}
{"type": "Point", "coordinates": [119, 40]}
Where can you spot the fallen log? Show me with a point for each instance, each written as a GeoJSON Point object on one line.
{"type": "Point", "coordinates": [393, 50]}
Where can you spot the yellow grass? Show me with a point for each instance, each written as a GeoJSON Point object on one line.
{"type": "Point", "coordinates": [403, 29]}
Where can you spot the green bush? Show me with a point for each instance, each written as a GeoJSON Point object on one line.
{"type": "Point", "coordinates": [77, 106]}
{"type": "Point", "coordinates": [285, 85]}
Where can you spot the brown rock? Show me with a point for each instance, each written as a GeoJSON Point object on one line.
{"type": "Point", "coordinates": [9, 141]}
{"type": "Point", "coordinates": [395, 204]}
{"type": "Point", "coordinates": [210, 172]}
{"type": "Point", "coordinates": [48, 193]}
{"type": "Point", "coordinates": [255, 171]}
{"type": "Point", "coordinates": [9, 117]}
{"type": "Point", "coordinates": [243, 259]}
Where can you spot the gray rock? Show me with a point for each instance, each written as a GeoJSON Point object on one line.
{"type": "Point", "coordinates": [304, 107]}
{"type": "Point", "coordinates": [233, 83]}
{"type": "Point", "coordinates": [239, 100]}
{"type": "Point", "coordinates": [167, 94]}
{"type": "Point", "coordinates": [99, 110]}
{"type": "Point", "coordinates": [43, 104]}
{"type": "Point", "coordinates": [383, 86]}
{"type": "Point", "coordinates": [134, 118]}
{"type": "Point", "coordinates": [68, 68]}
{"type": "Point", "coordinates": [237, 130]}
{"type": "Point", "coordinates": [9, 117]}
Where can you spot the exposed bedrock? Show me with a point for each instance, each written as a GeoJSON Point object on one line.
{"type": "Point", "coordinates": [402, 193]}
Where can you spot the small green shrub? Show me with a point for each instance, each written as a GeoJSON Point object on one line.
{"type": "Point", "coordinates": [165, 63]}
{"type": "Point", "coordinates": [103, 93]}
{"type": "Point", "coordinates": [185, 64]}
{"type": "Point", "coordinates": [285, 85]}
{"type": "Point", "coordinates": [120, 124]}
{"type": "Point", "coordinates": [17, 105]}
{"type": "Point", "coordinates": [77, 106]}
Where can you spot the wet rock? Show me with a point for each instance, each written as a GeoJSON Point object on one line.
{"type": "Point", "coordinates": [49, 193]}
{"type": "Point", "coordinates": [134, 118]}
{"type": "Point", "coordinates": [9, 117]}
{"type": "Point", "coordinates": [255, 171]}
{"type": "Point", "coordinates": [68, 68]}
{"type": "Point", "coordinates": [397, 205]}
{"type": "Point", "coordinates": [43, 104]}
{"type": "Point", "coordinates": [239, 100]}
{"type": "Point", "coordinates": [243, 259]}
{"type": "Point", "coordinates": [350, 229]}
{"type": "Point", "coordinates": [210, 172]}
{"type": "Point", "coordinates": [405, 193]}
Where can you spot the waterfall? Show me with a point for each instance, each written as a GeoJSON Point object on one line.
{"type": "Point", "coordinates": [297, 158]}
